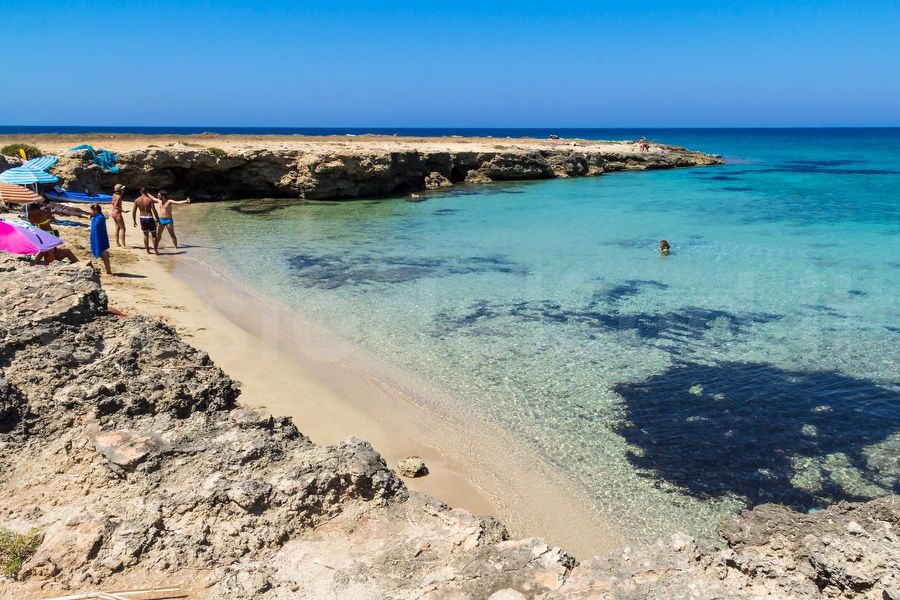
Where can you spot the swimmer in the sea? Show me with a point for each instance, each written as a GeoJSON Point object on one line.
{"type": "Point", "coordinates": [664, 248]}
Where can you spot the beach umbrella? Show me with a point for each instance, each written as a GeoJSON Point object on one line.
{"type": "Point", "coordinates": [41, 163]}
{"type": "Point", "coordinates": [22, 175]}
{"type": "Point", "coordinates": [18, 237]}
{"type": "Point", "coordinates": [16, 194]}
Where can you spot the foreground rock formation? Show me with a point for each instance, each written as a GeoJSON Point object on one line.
{"type": "Point", "coordinates": [221, 167]}
{"type": "Point", "coordinates": [128, 449]}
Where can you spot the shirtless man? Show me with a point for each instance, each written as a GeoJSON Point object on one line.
{"type": "Point", "coordinates": [166, 221]}
{"type": "Point", "coordinates": [146, 208]}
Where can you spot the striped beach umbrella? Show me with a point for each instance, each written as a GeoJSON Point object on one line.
{"type": "Point", "coordinates": [41, 163]}
{"type": "Point", "coordinates": [22, 175]}
{"type": "Point", "coordinates": [16, 194]}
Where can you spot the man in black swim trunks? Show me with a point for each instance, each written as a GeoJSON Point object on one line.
{"type": "Point", "coordinates": [146, 209]}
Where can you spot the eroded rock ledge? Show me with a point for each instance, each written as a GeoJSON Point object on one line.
{"type": "Point", "coordinates": [129, 450]}
{"type": "Point", "coordinates": [336, 167]}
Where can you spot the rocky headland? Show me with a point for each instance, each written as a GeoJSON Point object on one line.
{"type": "Point", "coordinates": [128, 456]}
{"type": "Point", "coordinates": [213, 167]}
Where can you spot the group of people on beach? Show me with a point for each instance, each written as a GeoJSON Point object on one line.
{"type": "Point", "coordinates": [153, 222]}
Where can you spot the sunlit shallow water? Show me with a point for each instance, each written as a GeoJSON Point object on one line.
{"type": "Point", "coordinates": [758, 362]}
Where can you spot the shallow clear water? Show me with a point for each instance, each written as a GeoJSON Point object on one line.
{"type": "Point", "coordinates": [758, 362]}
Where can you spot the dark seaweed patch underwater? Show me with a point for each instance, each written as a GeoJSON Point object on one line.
{"type": "Point", "coordinates": [826, 167]}
{"type": "Point", "coordinates": [742, 429]}
{"type": "Point", "coordinates": [259, 208]}
{"type": "Point", "coordinates": [674, 330]}
{"type": "Point", "coordinates": [333, 271]}
{"type": "Point", "coordinates": [720, 178]}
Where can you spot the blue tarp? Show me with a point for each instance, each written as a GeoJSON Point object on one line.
{"type": "Point", "coordinates": [104, 159]}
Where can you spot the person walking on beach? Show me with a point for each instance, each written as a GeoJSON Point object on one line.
{"type": "Point", "coordinates": [99, 237]}
{"type": "Point", "coordinates": [145, 207]}
{"type": "Point", "coordinates": [116, 214]}
{"type": "Point", "coordinates": [166, 221]}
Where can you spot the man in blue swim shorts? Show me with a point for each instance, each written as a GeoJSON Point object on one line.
{"type": "Point", "coordinates": [166, 221]}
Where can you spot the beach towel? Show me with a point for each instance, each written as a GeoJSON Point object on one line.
{"type": "Point", "coordinates": [104, 159]}
{"type": "Point", "coordinates": [99, 237]}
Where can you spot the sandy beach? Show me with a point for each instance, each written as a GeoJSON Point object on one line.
{"type": "Point", "coordinates": [333, 391]}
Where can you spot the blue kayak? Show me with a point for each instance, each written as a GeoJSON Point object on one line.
{"type": "Point", "coordinates": [66, 196]}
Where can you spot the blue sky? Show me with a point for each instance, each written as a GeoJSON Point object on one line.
{"type": "Point", "coordinates": [452, 64]}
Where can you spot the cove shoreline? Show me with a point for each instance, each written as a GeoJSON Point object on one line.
{"type": "Point", "coordinates": [335, 390]}
{"type": "Point", "coordinates": [211, 499]}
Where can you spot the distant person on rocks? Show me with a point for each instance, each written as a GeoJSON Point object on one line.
{"type": "Point", "coordinates": [664, 248]}
{"type": "Point", "coordinates": [145, 207]}
{"type": "Point", "coordinates": [166, 221]}
{"type": "Point", "coordinates": [99, 237]}
{"type": "Point", "coordinates": [116, 214]}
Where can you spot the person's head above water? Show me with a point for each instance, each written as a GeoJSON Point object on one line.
{"type": "Point", "coordinates": [664, 247]}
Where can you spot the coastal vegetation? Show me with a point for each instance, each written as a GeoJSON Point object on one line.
{"type": "Point", "coordinates": [13, 150]}
{"type": "Point", "coordinates": [217, 152]}
{"type": "Point", "coordinates": [16, 548]}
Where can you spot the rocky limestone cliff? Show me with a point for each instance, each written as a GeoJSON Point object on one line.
{"type": "Point", "coordinates": [335, 170]}
{"type": "Point", "coordinates": [128, 449]}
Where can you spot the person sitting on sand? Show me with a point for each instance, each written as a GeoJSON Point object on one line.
{"type": "Point", "coordinates": [146, 208]}
{"type": "Point", "coordinates": [99, 237]}
{"type": "Point", "coordinates": [116, 214]}
{"type": "Point", "coordinates": [166, 221]}
{"type": "Point", "coordinates": [664, 248]}
{"type": "Point", "coordinates": [58, 253]}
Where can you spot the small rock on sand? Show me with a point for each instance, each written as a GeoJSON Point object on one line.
{"type": "Point", "coordinates": [413, 466]}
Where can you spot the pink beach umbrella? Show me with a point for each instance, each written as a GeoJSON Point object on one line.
{"type": "Point", "coordinates": [17, 237]}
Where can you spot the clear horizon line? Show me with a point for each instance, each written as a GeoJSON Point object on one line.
{"type": "Point", "coordinates": [497, 127]}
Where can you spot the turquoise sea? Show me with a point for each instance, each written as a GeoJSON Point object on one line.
{"type": "Point", "coordinates": [756, 363]}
